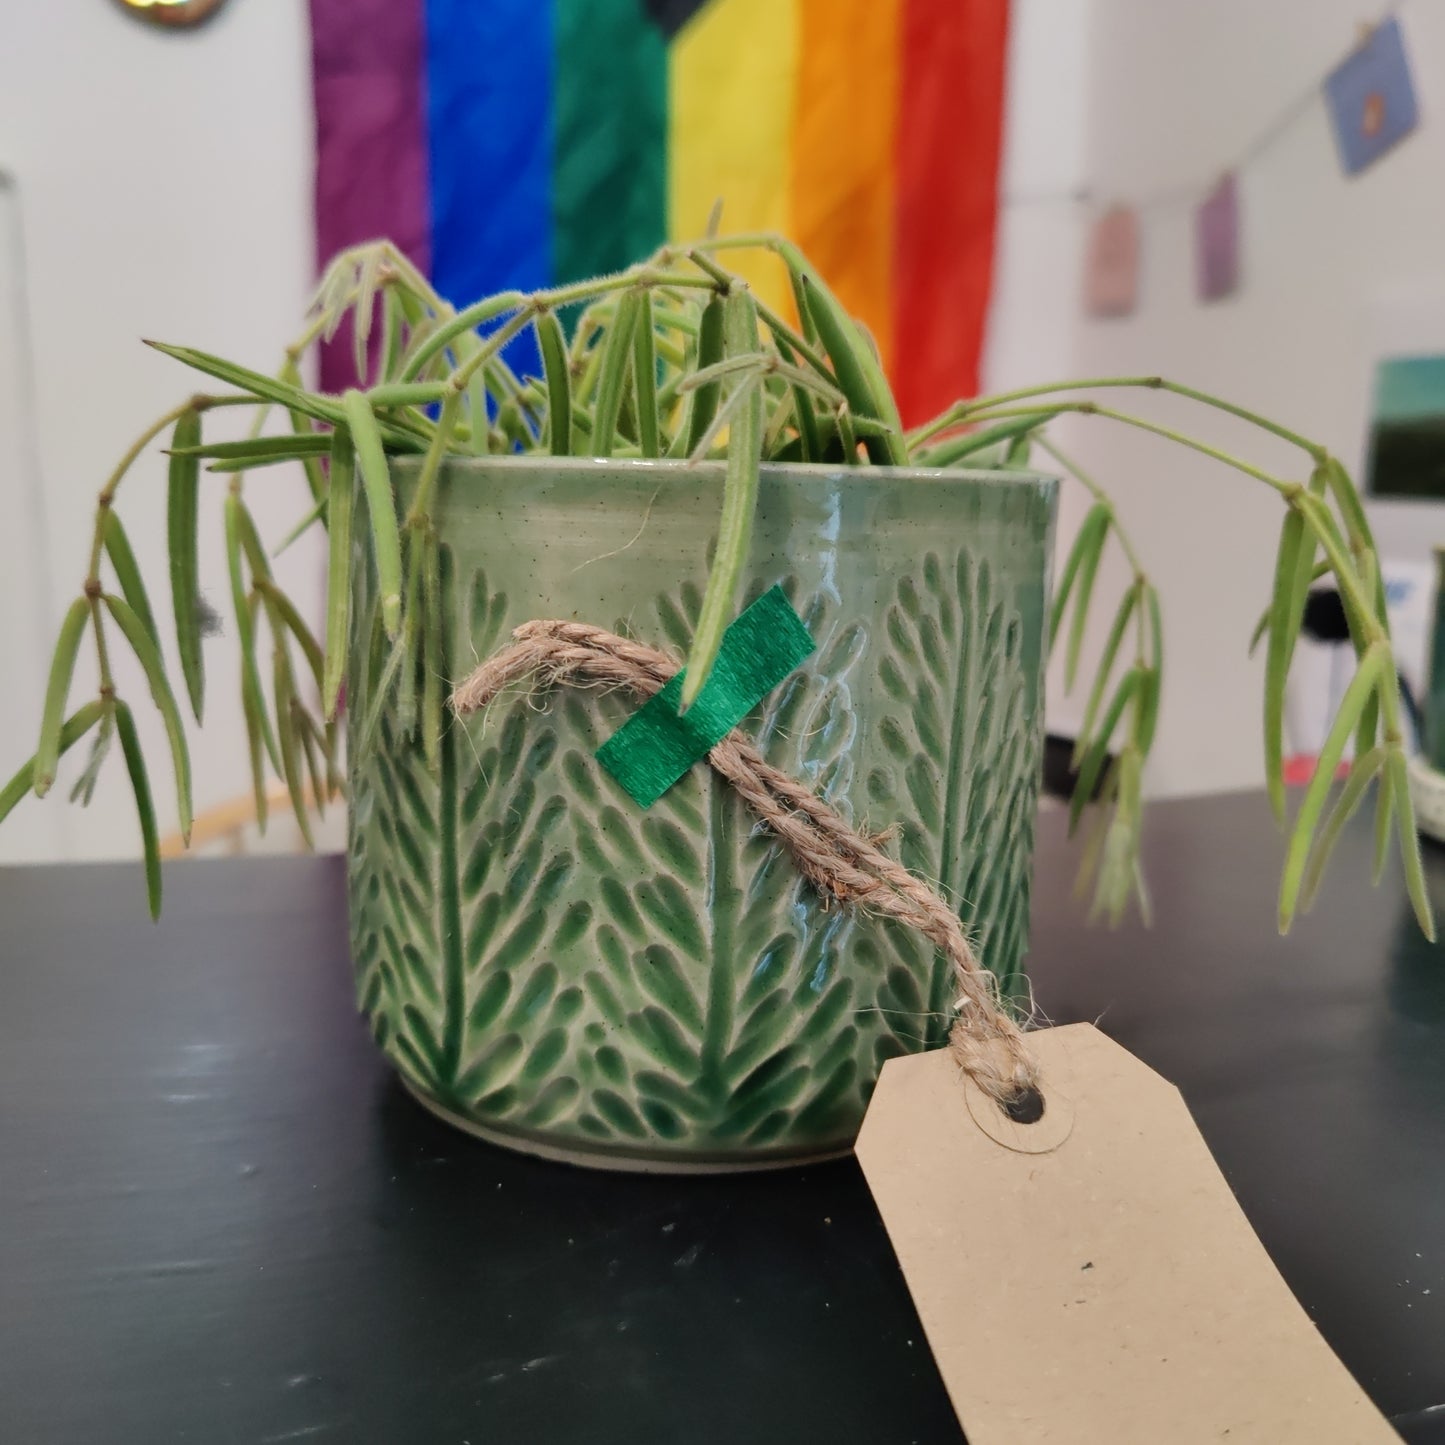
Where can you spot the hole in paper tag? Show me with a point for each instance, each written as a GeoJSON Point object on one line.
{"type": "Point", "coordinates": [1042, 1137]}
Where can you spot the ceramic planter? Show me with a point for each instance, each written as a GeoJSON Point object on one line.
{"type": "Point", "coordinates": [552, 967]}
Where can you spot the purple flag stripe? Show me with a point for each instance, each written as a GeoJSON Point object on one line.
{"type": "Point", "coordinates": [369, 67]}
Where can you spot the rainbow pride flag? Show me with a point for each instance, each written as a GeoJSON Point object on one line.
{"type": "Point", "coordinates": [522, 143]}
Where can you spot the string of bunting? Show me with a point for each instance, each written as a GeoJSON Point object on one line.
{"type": "Point", "coordinates": [1371, 102]}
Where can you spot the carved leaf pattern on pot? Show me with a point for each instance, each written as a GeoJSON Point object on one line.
{"type": "Point", "coordinates": [958, 765]}
{"type": "Point", "coordinates": [545, 959]}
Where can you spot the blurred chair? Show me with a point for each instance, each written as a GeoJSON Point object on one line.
{"type": "Point", "coordinates": [232, 829]}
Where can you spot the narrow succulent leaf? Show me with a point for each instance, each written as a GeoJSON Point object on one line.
{"type": "Point", "coordinates": [1351, 504]}
{"type": "Point", "coordinates": [1368, 728]}
{"type": "Point", "coordinates": [740, 495]}
{"type": "Point", "coordinates": [1106, 665]}
{"type": "Point", "coordinates": [381, 696]}
{"type": "Point", "coordinates": [127, 572]}
{"type": "Point", "coordinates": [1147, 703]}
{"type": "Point", "coordinates": [513, 426]}
{"type": "Point", "coordinates": [860, 378]}
{"type": "Point", "coordinates": [406, 393]}
{"type": "Point", "coordinates": [284, 612]}
{"type": "Point", "coordinates": [380, 506]}
{"type": "Point", "coordinates": [1410, 844]}
{"type": "Point", "coordinates": [1384, 820]}
{"type": "Point", "coordinates": [409, 684]}
{"type": "Point", "coordinates": [722, 419]}
{"type": "Point", "coordinates": [257, 451]}
{"type": "Point", "coordinates": [1099, 748]}
{"type": "Point", "coordinates": [1369, 724]}
{"type": "Point", "coordinates": [149, 657]}
{"type": "Point", "coordinates": [239, 464]}
{"type": "Point", "coordinates": [182, 497]}
{"type": "Point", "coordinates": [363, 311]}
{"type": "Point", "coordinates": [433, 657]}
{"type": "Point", "coordinates": [84, 790]}
{"type": "Point", "coordinates": [800, 304]}
{"type": "Point", "coordinates": [1279, 653]}
{"type": "Point", "coordinates": [1017, 455]}
{"type": "Point", "coordinates": [436, 342]}
{"type": "Point", "coordinates": [843, 419]}
{"type": "Point", "coordinates": [245, 630]}
{"type": "Point", "coordinates": [72, 730]}
{"type": "Point", "coordinates": [865, 426]}
{"type": "Point", "coordinates": [253, 711]}
{"type": "Point", "coordinates": [57, 690]}
{"type": "Point", "coordinates": [301, 426]}
{"type": "Point", "coordinates": [313, 750]}
{"type": "Point", "coordinates": [778, 419]}
{"type": "Point", "coordinates": [253, 547]}
{"type": "Point", "coordinates": [784, 373]}
{"type": "Point", "coordinates": [283, 685]}
{"type": "Point", "coordinates": [730, 368]}
{"type": "Point", "coordinates": [956, 449]}
{"type": "Point", "coordinates": [1090, 537]}
{"type": "Point", "coordinates": [145, 810]}
{"type": "Point", "coordinates": [612, 382]}
{"type": "Point", "coordinates": [709, 354]}
{"type": "Point", "coordinates": [1366, 678]}
{"type": "Point", "coordinates": [479, 426]}
{"type": "Point", "coordinates": [553, 346]}
{"type": "Point", "coordinates": [1119, 863]}
{"type": "Point", "coordinates": [389, 341]}
{"type": "Point", "coordinates": [1362, 774]}
{"type": "Point", "coordinates": [804, 417]}
{"type": "Point", "coordinates": [340, 507]}
{"type": "Point", "coordinates": [1320, 569]}
{"type": "Point", "coordinates": [1156, 634]}
{"type": "Point", "coordinates": [1083, 594]}
{"type": "Point", "coordinates": [269, 388]}
{"type": "Point", "coordinates": [644, 377]}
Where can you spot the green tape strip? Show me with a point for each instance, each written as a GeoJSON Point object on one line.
{"type": "Point", "coordinates": [655, 746]}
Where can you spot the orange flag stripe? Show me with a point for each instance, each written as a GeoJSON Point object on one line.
{"type": "Point", "coordinates": [844, 122]}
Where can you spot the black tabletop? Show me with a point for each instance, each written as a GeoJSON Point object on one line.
{"type": "Point", "coordinates": [222, 1220]}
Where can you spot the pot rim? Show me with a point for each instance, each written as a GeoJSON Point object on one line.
{"type": "Point", "coordinates": [521, 467]}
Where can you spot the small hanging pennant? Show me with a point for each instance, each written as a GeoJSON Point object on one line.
{"type": "Point", "coordinates": [1090, 1278]}
{"type": "Point", "coordinates": [1216, 241]}
{"type": "Point", "coordinates": [1111, 277]}
{"type": "Point", "coordinates": [1371, 98]}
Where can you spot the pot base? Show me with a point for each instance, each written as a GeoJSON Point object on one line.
{"type": "Point", "coordinates": [584, 1158]}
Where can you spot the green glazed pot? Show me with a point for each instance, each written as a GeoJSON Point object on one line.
{"type": "Point", "coordinates": [555, 969]}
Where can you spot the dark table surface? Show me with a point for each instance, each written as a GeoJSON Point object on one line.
{"type": "Point", "coordinates": [222, 1220]}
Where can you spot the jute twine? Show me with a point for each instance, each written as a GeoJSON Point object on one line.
{"type": "Point", "coordinates": [839, 861]}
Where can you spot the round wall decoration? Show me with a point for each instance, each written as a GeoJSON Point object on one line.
{"type": "Point", "coordinates": [175, 14]}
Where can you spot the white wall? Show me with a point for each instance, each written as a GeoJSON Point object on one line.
{"type": "Point", "coordinates": [1033, 318]}
{"type": "Point", "coordinates": [1175, 92]}
{"type": "Point", "coordinates": [164, 182]}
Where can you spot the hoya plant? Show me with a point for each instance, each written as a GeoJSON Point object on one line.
{"type": "Point", "coordinates": [677, 360]}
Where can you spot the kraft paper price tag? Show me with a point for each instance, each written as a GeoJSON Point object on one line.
{"type": "Point", "coordinates": [1095, 1281]}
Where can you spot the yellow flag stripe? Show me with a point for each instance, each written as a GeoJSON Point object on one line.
{"type": "Point", "coordinates": [732, 82]}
